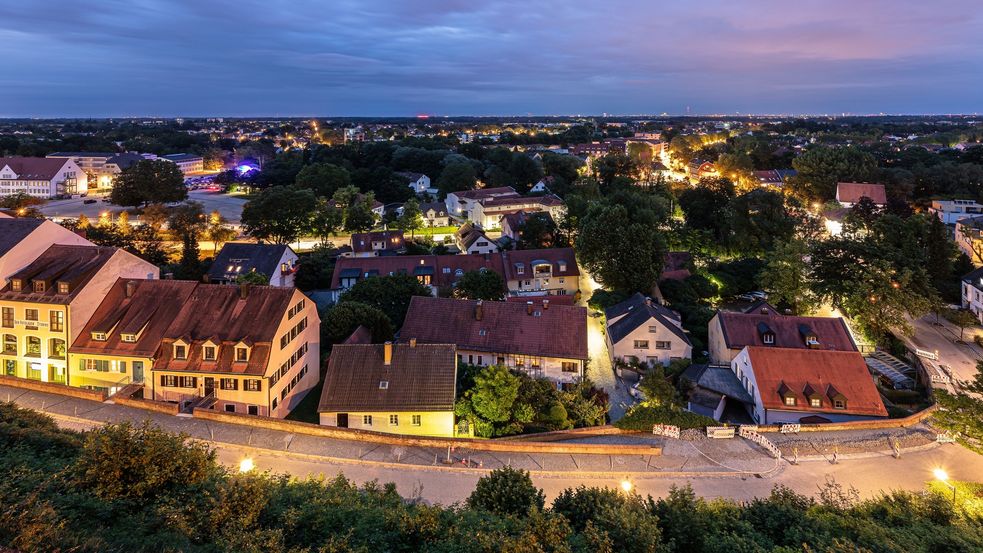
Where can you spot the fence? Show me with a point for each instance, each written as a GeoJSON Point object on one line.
{"type": "Point", "coordinates": [720, 432]}
{"type": "Point", "coordinates": [666, 430]}
{"type": "Point", "coordinates": [751, 433]}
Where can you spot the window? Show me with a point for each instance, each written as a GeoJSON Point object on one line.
{"type": "Point", "coordinates": [229, 384]}
{"type": "Point", "coordinates": [33, 347]}
{"type": "Point", "coordinates": [416, 420]}
{"type": "Point", "coordinates": [242, 354]}
{"type": "Point", "coordinates": [56, 348]}
{"type": "Point", "coordinates": [8, 317]}
{"type": "Point", "coordinates": [63, 288]}
{"type": "Point", "coordinates": [101, 365]}
{"type": "Point", "coordinates": [383, 384]}
{"type": "Point", "coordinates": [768, 338]}
{"type": "Point", "coordinates": [393, 420]}
{"type": "Point", "coordinates": [520, 269]}
{"type": "Point", "coordinates": [39, 286]}
{"type": "Point", "coordinates": [641, 344]}
{"type": "Point", "coordinates": [99, 336]}
{"type": "Point", "coordinates": [208, 353]}
{"type": "Point", "coordinates": [253, 385]}
{"type": "Point", "coordinates": [663, 345]}
{"type": "Point", "coordinates": [9, 344]}
{"type": "Point", "coordinates": [653, 329]}
{"type": "Point", "coordinates": [168, 380]}
{"type": "Point", "coordinates": [129, 338]}
{"type": "Point", "coordinates": [187, 382]}
{"type": "Point", "coordinates": [230, 408]}
{"type": "Point", "coordinates": [16, 285]}
{"type": "Point", "coordinates": [366, 420]}
{"type": "Point", "coordinates": [180, 352]}
{"type": "Point", "coordinates": [569, 367]}
{"type": "Point", "coordinates": [789, 400]}
{"type": "Point", "coordinates": [10, 367]}
{"type": "Point", "coordinates": [815, 402]}
{"type": "Point", "coordinates": [273, 405]}
{"type": "Point", "coordinates": [839, 404]}
{"type": "Point", "coordinates": [253, 409]}
{"type": "Point", "coordinates": [31, 314]}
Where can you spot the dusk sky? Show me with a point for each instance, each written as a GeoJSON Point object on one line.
{"type": "Point", "coordinates": [88, 58]}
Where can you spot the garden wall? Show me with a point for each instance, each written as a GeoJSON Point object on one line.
{"type": "Point", "coordinates": [52, 388]}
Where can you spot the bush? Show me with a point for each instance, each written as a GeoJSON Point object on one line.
{"type": "Point", "coordinates": [507, 491]}
{"type": "Point", "coordinates": [642, 417]}
{"type": "Point", "coordinates": [602, 299]}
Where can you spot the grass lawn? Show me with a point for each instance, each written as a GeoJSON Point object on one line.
{"type": "Point", "coordinates": [306, 410]}
{"type": "Point", "coordinates": [434, 230]}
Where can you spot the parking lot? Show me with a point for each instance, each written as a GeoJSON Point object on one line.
{"type": "Point", "coordinates": [230, 206]}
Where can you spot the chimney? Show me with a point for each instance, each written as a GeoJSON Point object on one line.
{"type": "Point", "coordinates": [478, 311]}
{"type": "Point", "coordinates": [243, 291]}
{"type": "Point", "coordinates": [387, 353]}
{"type": "Point", "coordinates": [546, 304]}
{"type": "Point", "coordinates": [528, 308]}
{"type": "Point", "coordinates": [648, 301]}
{"type": "Point", "coordinates": [206, 278]}
{"type": "Point", "coordinates": [131, 286]}
{"type": "Point", "coordinates": [412, 342]}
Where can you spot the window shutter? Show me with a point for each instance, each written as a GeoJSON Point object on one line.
{"type": "Point", "coordinates": [163, 380]}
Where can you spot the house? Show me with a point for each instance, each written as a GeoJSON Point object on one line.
{"type": "Point", "coordinates": [547, 341]}
{"type": "Point", "coordinates": [435, 271]}
{"type": "Point", "coordinates": [773, 177]}
{"type": "Point", "coordinates": [22, 240]}
{"type": "Point", "coordinates": [698, 169]}
{"type": "Point", "coordinates": [418, 183]}
{"type": "Point", "coordinates": [512, 223]}
{"type": "Point", "coordinates": [488, 213]}
{"type": "Point", "coordinates": [189, 164]}
{"type": "Point", "coordinates": [807, 386]}
{"type": "Point", "coordinates": [598, 149]}
{"type": "Point", "coordinates": [383, 242]}
{"type": "Point", "coordinates": [642, 331]}
{"type": "Point", "coordinates": [472, 240]}
{"type": "Point", "coordinates": [46, 304]}
{"type": "Point", "coordinates": [730, 332]}
{"type": "Point", "coordinates": [969, 238]}
{"type": "Point", "coordinates": [545, 272]}
{"type": "Point", "coordinates": [277, 262]}
{"type": "Point", "coordinates": [542, 186]}
{"type": "Point", "coordinates": [239, 349]}
{"type": "Point", "coordinates": [972, 293]}
{"type": "Point", "coordinates": [952, 211]}
{"type": "Point", "coordinates": [435, 214]}
{"type": "Point", "coordinates": [461, 203]}
{"type": "Point", "coordinates": [849, 193]}
{"type": "Point", "coordinates": [41, 177]}
{"type": "Point", "coordinates": [406, 388]}
{"type": "Point", "coordinates": [714, 390]}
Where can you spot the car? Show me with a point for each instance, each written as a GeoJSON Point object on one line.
{"type": "Point", "coordinates": [636, 392]}
{"type": "Point", "coordinates": [746, 297]}
{"type": "Point", "coordinates": [89, 201]}
{"type": "Point", "coordinates": [758, 294]}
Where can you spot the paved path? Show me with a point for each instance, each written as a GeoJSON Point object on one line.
{"type": "Point", "coordinates": [715, 468]}
{"type": "Point", "coordinates": [600, 370]}
{"type": "Point", "coordinates": [942, 337]}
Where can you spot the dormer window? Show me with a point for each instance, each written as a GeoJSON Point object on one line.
{"type": "Point", "coordinates": [768, 338]}
{"type": "Point", "coordinates": [63, 288]}
{"type": "Point", "coordinates": [766, 333]}
{"type": "Point", "coordinates": [128, 338]}
{"type": "Point", "coordinates": [242, 354]}
{"type": "Point", "coordinates": [180, 351]}
{"type": "Point", "coordinates": [208, 353]}
{"type": "Point", "coordinates": [836, 398]}
{"type": "Point", "coordinates": [39, 286]}
{"type": "Point", "coordinates": [16, 285]}
{"type": "Point", "coordinates": [788, 397]}
{"type": "Point", "coordinates": [790, 401]}
{"type": "Point", "coordinates": [839, 404]}
{"type": "Point", "coordinates": [562, 265]}
{"type": "Point", "coordinates": [520, 269]}
{"type": "Point", "coordinates": [383, 384]}
{"type": "Point", "coordinates": [99, 336]}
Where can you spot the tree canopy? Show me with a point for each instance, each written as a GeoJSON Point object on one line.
{"type": "Point", "coordinates": [147, 182]}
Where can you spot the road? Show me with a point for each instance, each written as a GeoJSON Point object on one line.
{"type": "Point", "coordinates": [229, 206]}
{"type": "Point", "coordinates": [960, 357]}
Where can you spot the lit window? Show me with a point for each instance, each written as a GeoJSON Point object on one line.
{"type": "Point", "coordinates": [815, 402]}
{"type": "Point", "coordinates": [789, 400]}
{"type": "Point", "coordinates": [366, 420]}
{"type": "Point", "coordinates": [99, 336]}
{"type": "Point", "coordinates": [130, 338]}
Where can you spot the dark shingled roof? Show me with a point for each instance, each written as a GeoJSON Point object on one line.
{"type": "Point", "coordinates": [637, 312]}
{"type": "Point", "coordinates": [505, 327]}
{"type": "Point", "coordinates": [74, 265]}
{"type": "Point", "coordinates": [420, 378]}
{"type": "Point", "coordinates": [262, 258]}
{"type": "Point", "coordinates": [13, 230]}
{"type": "Point", "coordinates": [721, 380]}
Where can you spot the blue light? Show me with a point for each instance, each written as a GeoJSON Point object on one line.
{"type": "Point", "coordinates": [243, 169]}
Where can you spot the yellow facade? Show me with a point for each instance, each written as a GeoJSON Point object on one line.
{"type": "Point", "coordinates": [110, 372]}
{"type": "Point", "coordinates": [233, 393]}
{"type": "Point", "coordinates": [408, 423]}
{"type": "Point", "coordinates": [34, 341]}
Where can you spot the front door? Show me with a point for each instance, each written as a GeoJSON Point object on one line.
{"type": "Point", "coordinates": [209, 385]}
{"type": "Point", "coordinates": [138, 371]}
{"type": "Point", "coordinates": [342, 420]}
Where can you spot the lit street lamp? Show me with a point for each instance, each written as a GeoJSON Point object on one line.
{"type": "Point", "coordinates": [943, 476]}
{"type": "Point", "coordinates": [626, 486]}
{"type": "Point", "coordinates": [246, 465]}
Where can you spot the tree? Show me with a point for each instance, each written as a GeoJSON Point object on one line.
{"type": "Point", "coordinates": [961, 318]}
{"type": "Point", "coordinates": [786, 276]}
{"type": "Point", "coordinates": [609, 167]}
{"type": "Point", "coordinates": [280, 214]}
{"type": "Point", "coordinates": [315, 267]}
{"type": "Point", "coordinates": [253, 277]}
{"type": "Point", "coordinates": [821, 167]}
{"type": "Point", "coordinates": [358, 214]}
{"type": "Point", "coordinates": [539, 231]}
{"type": "Point", "coordinates": [218, 230]}
{"type": "Point", "coordinates": [154, 215]}
{"type": "Point", "coordinates": [187, 222]}
{"type": "Point", "coordinates": [480, 285]}
{"type": "Point", "coordinates": [525, 172]}
{"type": "Point", "coordinates": [338, 322]}
{"type": "Point", "coordinates": [411, 218]}
{"type": "Point", "coordinates": [391, 294]}
{"type": "Point", "coordinates": [756, 220]}
{"type": "Point", "coordinates": [624, 518]}
{"type": "Point", "coordinates": [707, 205]}
{"type": "Point", "coordinates": [149, 181]}
{"type": "Point", "coordinates": [491, 403]}
{"type": "Point", "coordinates": [455, 177]}
{"type": "Point", "coordinates": [618, 252]}
{"type": "Point", "coordinates": [961, 413]}
{"type": "Point", "coordinates": [327, 220]}
{"type": "Point", "coordinates": [507, 491]}
{"type": "Point", "coordinates": [324, 179]}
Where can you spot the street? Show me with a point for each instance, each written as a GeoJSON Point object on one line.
{"type": "Point", "coordinates": [960, 358]}
{"type": "Point", "coordinates": [229, 206]}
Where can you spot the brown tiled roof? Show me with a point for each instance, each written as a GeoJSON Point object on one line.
{"type": "Point", "coordinates": [420, 378]}
{"type": "Point", "coordinates": [362, 241]}
{"type": "Point", "coordinates": [527, 258]}
{"type": "Point", "coordinates": [217, 312]}
{"type": "Point", "coordinates": [851, 192]}
{"type": "Point", "coordinates": [147, 312]}
{"type": "Point", "coordinates": [433, 265]}
{"type": "Point", "coordinates": [741, 329]}
{"type": "Point", "coordinates": [75, 265]}
{"type": "Point", "coordinates": [827, 373]}
{"type": "Point", "coordinates": [34, 168]}
{"type": "Point", "coordinates": [676, 266]}
{"type": "Point", "coordinates": [505, 327]}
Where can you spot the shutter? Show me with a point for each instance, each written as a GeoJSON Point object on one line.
{"type": "Point", "coordinates": [235, 383]}
{"type": "Point", "coordinates": [163, 380]}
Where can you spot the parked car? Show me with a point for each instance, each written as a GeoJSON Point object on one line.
{"type": "Point", "coordinates": [89, 201]}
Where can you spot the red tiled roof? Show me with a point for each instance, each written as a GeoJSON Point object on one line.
{"type": "Point", "coordinates": [676, 266]}
{"type": "Point", "coordinates": [434, 265]}
{"type": "Point", "coordinates": [362, 335]}
{"type": "Point", "coordinates": [741, 329]}
{"type": "Point", "coordinates": [567, 299]}
{"type": "Point", "coordinates": [528, 258]}
{"type": "Point", "coordinates": [851, 192]}
{"type": "Point", "coordinates": [362, 241]}
{"type": "Point", "coordinates": [505, 327]}
{"type": "Point", "coordinates": [34, 168]}
{"type": "Point", "coordinates": [826, 373]}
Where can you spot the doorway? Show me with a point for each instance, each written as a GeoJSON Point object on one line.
{"type": "Point", "coordinates": [342, 420]}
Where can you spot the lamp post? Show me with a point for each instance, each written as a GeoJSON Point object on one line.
{"type": "Point", "coordinates": [943, 476]}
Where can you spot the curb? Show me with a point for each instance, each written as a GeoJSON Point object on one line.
{"type": "Point", "coordinates": [864, 455]}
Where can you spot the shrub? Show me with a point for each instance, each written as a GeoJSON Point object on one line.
{"type": "Point", "coordinates": [642, 417]}
{"type": "Point", "coordinates": [507, 491]}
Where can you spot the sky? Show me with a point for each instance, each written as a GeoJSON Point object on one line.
{"type": "Point", "coordinates": [167, 58]}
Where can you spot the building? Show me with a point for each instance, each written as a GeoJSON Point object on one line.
{"type": "Point", "coordinates": [435, 271]}
{"type": "Point", "coordinates": [418, 183]}
{"type": "Point", "coordinates": [393, 388]}
{"type": "Point", "coordinates": [23, 240]}
{"type": "Point", "coordinates": [598, 149]}
{"type": "Point", "coordinates": [640, 330]}
{"type": "Point", "coordinates": [807, 386]}
{"type": "Point", "coordinates": [849, 193]}
{"type": "Point", "coordinates": [545, 272]}
{"type": "Point", "coordinates": [488, 213]}
{"type": "Point", "coordinates": [969, 238]}
{"type": "Point", "coordinates": [460, 204]}
{"type": "Point", "coordinates": [972, 293]}
{"type": "Point", "coordinates": [512, 223]}
{"type": "Point", "coordinates": [717, 393]}
{"type": "Point", "coordinates": [698, 169]}
{"type": "Point", "coordinates": [277, 262]}
{"type": "Point", "coordinates": [239, 349]}
{"type": "Point", "coordinates": [952, 211]}
{"type": "Point", "coordinates": [42, 177]}
{"type": "Point", "coordinates": [472, 240]}
{"type": "Point", "coordinates": [46, 304]}
{"type": "Point", "coordinates": [101, 167]}
{"type": "Point", "coordinates": [435, 214]}
{"type": "Point", "coordinates": [189, 164]}
{"type": "Point", "coordinates": [545, 341]}
{"type": "Point", "coordinates": [730, 332]}
{"type": "Point", "coordinates": [773, 177]}
{"type": "Point", "coordinates": [383, 242]}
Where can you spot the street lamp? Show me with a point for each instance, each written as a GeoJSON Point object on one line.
{"type": "Point", "coordinates": [246, 465]}
{"type": "Point", "coordinates": [626, 486]}
{"type": "Point", "coordinates": [943, 476]}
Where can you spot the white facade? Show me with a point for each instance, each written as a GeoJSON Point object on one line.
{"type": "Point", "coordinates": [28, 249]}
{"type": "Point", "coordinates": [972, 296]}
{"type": "Point", "coordinates": [951, 211]}
{"type": "Point", "coordinates": [70, 179]}
{"type": "Point", "coordinates": [421, 185]}
{"type": "Point", "coordinates": [651, 343]}
{"type": "Point", "coordinates": [559, 370]}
